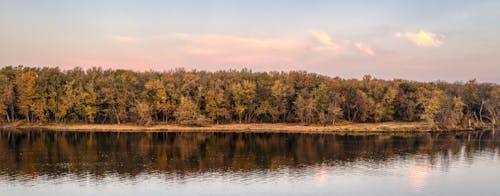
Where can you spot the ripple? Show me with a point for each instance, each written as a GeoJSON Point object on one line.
{"type": "Point", "coordinates": [275, 164]}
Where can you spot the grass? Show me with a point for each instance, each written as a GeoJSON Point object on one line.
{"type": "Point", "coordinates": [251, 127]}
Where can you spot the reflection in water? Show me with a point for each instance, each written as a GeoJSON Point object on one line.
{"type": "Point", "coordinates": [248, 158]}
{"type": "Point", "coordinates": [321, 175]}
{"type": "Point", "coordinates": [418, 174]}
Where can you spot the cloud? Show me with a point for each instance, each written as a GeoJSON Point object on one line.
{"type": "Point", "coordinates": [325, 40]}
{"type": "Point", "coordinates": [125, 39]}
{"type": "Point", "coordinates": [423, 38]}
{"type": "Point", "coordinates": [220, 42]}
{"type": "Point", "coordinates": [223, 49]}
{"type": "Point", "coordinates": [364, 48]}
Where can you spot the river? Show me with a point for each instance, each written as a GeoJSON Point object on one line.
{"type": "Point", "coordinates": [102, 163]}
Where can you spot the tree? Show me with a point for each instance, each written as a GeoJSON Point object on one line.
{"type": "Point", "coordinates": [120, 96]}
{"type": "Point", "coordinates": [143, 112]}
{"type": "Point", "coordinates": [492, 106]}
{"type": "Point", "coordinates": [361, 106]}
{"type": "Point", "coordinates": [432, 107]}
{"type": "Point", "coordinates": [471, 99]}
{"type": "Point", "coordinates": [321, 103]}
{"type": "Point", "coordinates": [265, 110]}
{"type": "Point", "coordinates": [441, 111]}
{"type": "Point", "coordinates": [458, 107]}
{"type": "Point", "coordinates": [188, 113]}
{"type": "Point", "coordinates": [4, 83]}
{"type": "Point", "coordinates": [26, 94]}
{"type": "Point", "coordinates": [115, 96]}
{"type": "Point", "coordinates": [334, 112]}
{"type": "Point", "coordinates": [281, 94]}
{"type": "Point", "coordinates": [387, 104]}
{"type": "Point", "coordinates": [215, 105]}
{"type": "Point", "coordinates": [408, 102]}
{"type": "Point", "coordinates": [156, 96]}
{"type": "Point", "coordinates": [90, 102]}
{"type": "Point", "coordinates": [9, 98]}
{"type": "Point", "coordinates": [243, 96]}
{"type": "Point", "coordinates": [305, 109]}
{"type": "Point", "coordinates": [300, 105]}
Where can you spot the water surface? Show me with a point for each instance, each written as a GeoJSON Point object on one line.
{"type": "Point", "coordinates": [83, 163]}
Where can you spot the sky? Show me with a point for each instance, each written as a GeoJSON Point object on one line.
{"type": "Point", "coordinates": [416, 40]}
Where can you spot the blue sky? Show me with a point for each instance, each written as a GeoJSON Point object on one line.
{"type": "Point", "coordinates": [417, 40]}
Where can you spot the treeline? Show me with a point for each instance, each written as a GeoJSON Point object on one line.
{"type": "Point", "coordinates": [199, 97]}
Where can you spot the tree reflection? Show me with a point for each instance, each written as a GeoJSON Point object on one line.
{"type": "Point", "coordinates": [46, 153]}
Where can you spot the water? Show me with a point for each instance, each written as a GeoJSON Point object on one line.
{"type": "Point", "coordinates": [79, 163]}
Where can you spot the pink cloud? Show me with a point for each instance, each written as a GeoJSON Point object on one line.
{"type": "Point", "coordinates": [184, 49]}
{"type": "Point", "coordinates": [364, 49]}
{"type": "Point", "coordinates": [241, 42]}
{"type": "Point", "coordinates": [126, 39]}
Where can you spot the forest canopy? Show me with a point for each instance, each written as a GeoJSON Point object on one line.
{"type": "Point", "coordinates": [199, 97]}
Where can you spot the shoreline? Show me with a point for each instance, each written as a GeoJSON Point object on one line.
{"type": "Point", "coordinates": [385, 127]}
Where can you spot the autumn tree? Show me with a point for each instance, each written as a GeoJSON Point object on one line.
{"type": "Point", "coordinates": [321, 103]}
{"type": "Point", "coordinates": [3, 99]}
{"type": "Point", "coordinates": [26, 94]}
{"type": "Point", "coordinates": [265, 111]}
{"type": "Point", "coordinates": [188, 113]}
{"type": "Point", "coordinates": [280, 96]}
{"type": "Point", "coordinates": [243, 95]}
{"type": "Point", "coordinates": [334, 112]}
{"type": "Point", "coordinates": [143, 111]}
{"type": "Point", "coordinates": [408, 104]}
{"type": "Point", "coordinates": [432, 107]}
{"type": "Point", "coordinates": [305, 108]}
{"type": "Point", "coordinates": [156, 97]}
{"type": "Point", "coordinates": [122, 96]}
{"type": "Point", "coordinates": [216, 105]}
{"type": "Point", "coordinates": [300, 105]}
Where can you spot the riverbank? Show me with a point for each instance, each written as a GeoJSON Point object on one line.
{"type": "Point", "coordinates": [253, 127]}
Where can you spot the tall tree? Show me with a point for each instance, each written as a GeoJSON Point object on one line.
{"type": "Point", "coordinates": [216, 105]}
{"type": "Point", "coordinates": [243, 96]}
{"type": "Point", "coordinates": [156, 96]}
{"type": "Point", "coordinates": [26, 94]}
{"type": "Point", "coordinates": [4, 83]}
{"type": "Point", "coordinates": [188, 113]}
{"type": "Point", "coordinates": [281, 94]}
{"type": "Point", "coordinates": [432, 107]}
{"type": "Point", "coordinates": [300, 105]}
